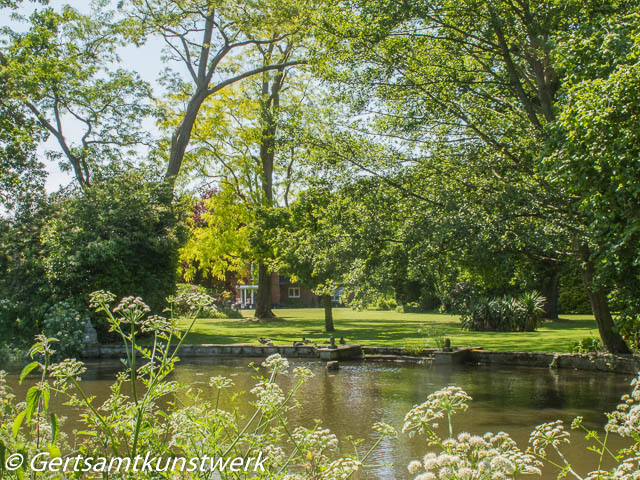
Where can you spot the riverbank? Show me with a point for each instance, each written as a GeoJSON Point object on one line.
{"type": "Point", "coordinates": [389, 329]}
{"type": "Point", "coordinates": [624, 364]}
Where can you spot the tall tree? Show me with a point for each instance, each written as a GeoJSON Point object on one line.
{"type": "Point", "coordinates": [207, 37]}
{"type": "Point", "coordinates": [476, 86]}
{"type": "Point", "coordinates": [244, 143]}
{"type": "Point", "coordinates": [63, 71]}
{"type": "Point", "coordinates": [595, 156]}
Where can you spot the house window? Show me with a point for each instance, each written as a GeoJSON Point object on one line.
{"type": "Point", "coordinates": [294, 292]}
{"type": "Point", "coordinates": [335, 298]}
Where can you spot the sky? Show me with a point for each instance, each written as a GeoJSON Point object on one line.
{"type": "Point", "coordinates": [145, 60]}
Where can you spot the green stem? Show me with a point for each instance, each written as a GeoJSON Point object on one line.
{"type": "Point", "coordinates": [96, 414]}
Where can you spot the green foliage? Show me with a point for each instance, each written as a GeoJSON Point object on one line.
{"type": "Point", "coordinates": [25, 293]}
{"type": "Point", "coordinates": [573, 297]}
{"type": "Point", "coordinates": [385, 302]}
{"type": "Point", "coordinates": [121, 233]}
{"type": "Point", "coordinates": [22, 175]}
{"type": "Point", "coordinates": [228, 312]}
{"type": "Point", "coordinates": [503, 314]}
{"type": "Point", "coordinates": [66, 325]}
{"type": "Point", "coordinates": [597, 144]}
{"type": "Point", "coordinates": [219, 237]}
{"type": "Point", "coordinates": [411, 307]}
{"type": "Point", "coordinates": [63, 66]}
{"type": "Point", "coordinates": [506, 162]}
{"type": "Point", "coordinates": [588, 345]}
{"type": "Point", "coordinates": [628, 324]}
{"type": "Point", "coordinates": [415, 350]}
{"type": "Point", "coordinates": [294, 303]}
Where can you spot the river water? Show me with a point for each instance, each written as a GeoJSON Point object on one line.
{"type": "Point", "coordinates": [350, 400]}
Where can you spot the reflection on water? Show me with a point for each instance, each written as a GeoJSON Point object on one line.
{"type": "Point", "coordinates": [349, 401]}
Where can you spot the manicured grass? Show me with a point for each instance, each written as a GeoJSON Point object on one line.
{"type": "Point", "coordinates": [381, 328]}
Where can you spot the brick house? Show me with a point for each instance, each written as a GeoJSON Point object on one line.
{"type": "Point", "coordinates": [283, 293]}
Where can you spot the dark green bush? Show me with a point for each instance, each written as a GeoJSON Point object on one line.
{"type": "Point", "coordinates": [573, 296]}
{"type": "Point", "coordinates": [503, 314]}
{"type": "Point", "coordinates": [25, 292]}
{"type": "Point", "coordinates": [66, 325]}
{"type": "Point", "coordinates": [120, 234]}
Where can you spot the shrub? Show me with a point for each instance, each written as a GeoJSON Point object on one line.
{"type": "Point", "coordinates": [531, 306]}
{"type": "Point", "coordinates": [573, 296]}
{"type": "Point", "coordinates": [503, 314]}
{"type": "Point", "coordinates": [385, 302]}
{"type": "Point", "coordinates": [588, 345]}
{"type": "Point", "coordinates": [411, 307]}
{"type": "Point", "coordinates": [628, 323]}
{"type": "Point", "coordinates": [412, 349]}
{"type": "Point", "coordinates": [120, 234]}
{"type": "Point", "coordinates": [293, 303]}
{"type": "Point", "coordinates": [66, 325]}
{"type": "Point", "coordinates": [228, 312]}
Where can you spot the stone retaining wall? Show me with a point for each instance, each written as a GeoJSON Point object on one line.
{"type": "Point", "coordinates": [629, 364]}
{"type": "Point", "coordinates": [236, 350]}
{"type": "Point", "coordinates": [342, 352]}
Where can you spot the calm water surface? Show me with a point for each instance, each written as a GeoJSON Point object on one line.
{"type": "Point", "coordinates": [349, 401]}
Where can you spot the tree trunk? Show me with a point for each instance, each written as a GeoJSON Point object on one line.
{"type": "Point", "coordinates": [550, 292]}
{"type": "Point", "coordinates": [182, 135]}
{"type": "Point", "coordinates": [612, 340]}
{"type": "Point", "coordinates": [328, 313]}
{"type": "Point", "coordinates": [263, 302]}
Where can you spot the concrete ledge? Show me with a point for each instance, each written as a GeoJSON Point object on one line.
{"type": "Point", "coordinates": [457, 356]}
{"type": "Point", "coordinates": [342, 352]}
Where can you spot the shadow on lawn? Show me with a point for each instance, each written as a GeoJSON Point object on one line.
{"type": "Point", "coordinates": [569, 324]}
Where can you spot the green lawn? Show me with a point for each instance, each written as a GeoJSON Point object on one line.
{"type": "Point", "coordinates": [382, 328]}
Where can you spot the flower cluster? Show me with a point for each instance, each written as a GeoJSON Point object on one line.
{"type": "Point", "coordinates": [548, 434]}
{"type": "Point", "coordinates": [422, 418]}
{"type": "Point", "coordinates": [220, 382]}
{"type": "Point", "coordinates": [100, 298]}
{"type": "Point", "coordinates": [156, 323]}
{"type": "Point", "coordinates": [629, 469]}
{"type": "Point", "coordinates": [315, 441]}
{"type": "Point", "coordinates": [385, 429]}
{"type": "Point", "coordinates": [270, 396]}
{"type": "Point", "coordinates": [342, 468]}
{"type": "Point", "coordinates": [276, 363]}
{"type": "Point", "coordinates": [131, 309]}
{"type": "Point", "coordinates": [625, 421]}
{"type": "Point", "coordinates": [302, 373]}
{"type": "Point", "coordinates": [472, 457]}
{"type": "Point", "coordinates": [193, 302]}
{"type": "Point", "coordinates": [65, 370]}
